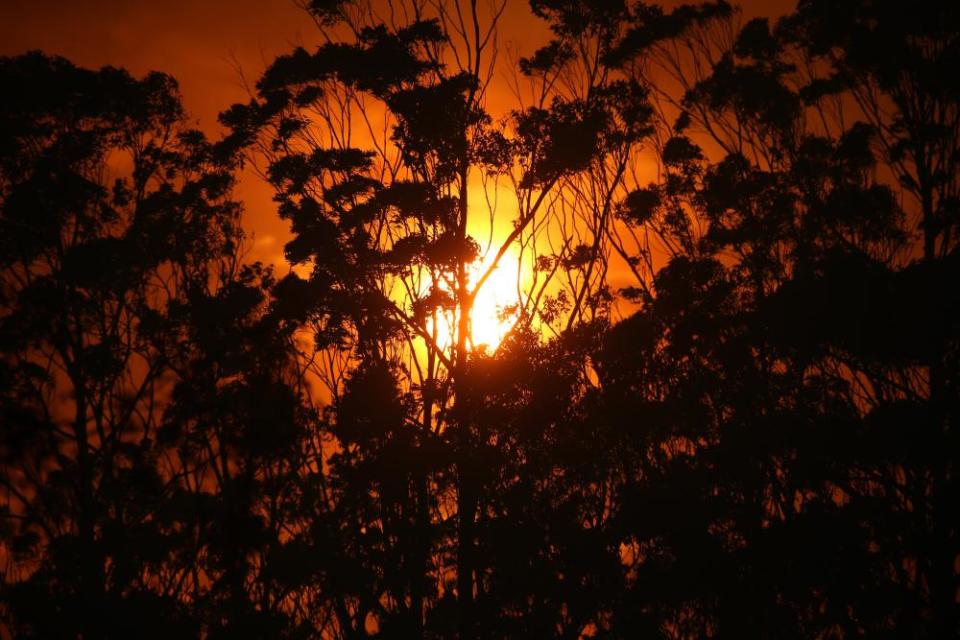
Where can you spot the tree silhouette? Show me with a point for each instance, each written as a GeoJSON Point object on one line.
{"type": "Point", "coordinates": [384, 225]}
{"type": "Point", "coordinates": [125, 312]}
{"type": "Point", "coordinates": [725, 406]}
{"type": "Point", "coordinates": [787, 337]}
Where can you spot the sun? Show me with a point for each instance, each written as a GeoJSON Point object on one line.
{"type": "Point", "coordinates": [488, 324]}
{"type": "Point", "coordinates": [490, 319]}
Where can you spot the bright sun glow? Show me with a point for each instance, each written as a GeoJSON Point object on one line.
{"type": "Point", "coordinates": [497, 293]}
{"type": "Point", "coordinates": [488, 324]}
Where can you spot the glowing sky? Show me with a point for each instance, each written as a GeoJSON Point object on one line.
{"type": "Point", "coordinates": [205, 44]}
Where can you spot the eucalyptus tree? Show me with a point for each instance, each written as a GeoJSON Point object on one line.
{"type": "Point", "coordinates": [790, 417]}
{"type": "Point", "coordinates": [893, 63]}
{"type": "Point", "coordinates": [749, 417]}
{"type": "Point", "coordinates": [126, 323]}
{"type": "Point", "coordinates": [386, 161]}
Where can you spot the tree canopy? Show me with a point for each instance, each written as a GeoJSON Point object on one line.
{"type": "Point", "coordinates": [726, 398]}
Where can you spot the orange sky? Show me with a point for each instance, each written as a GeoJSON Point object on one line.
{"type": "Point", "coordinates": [201, 43]}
